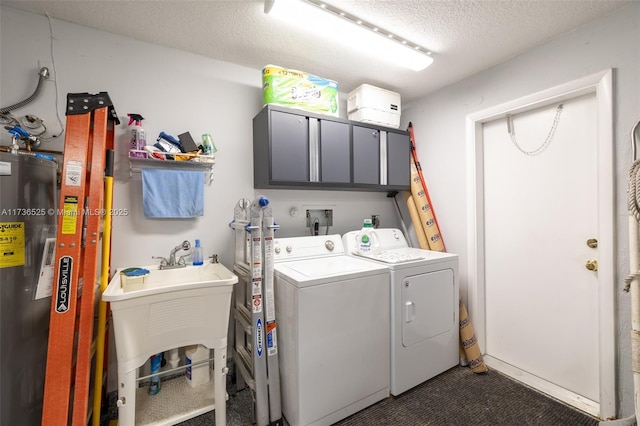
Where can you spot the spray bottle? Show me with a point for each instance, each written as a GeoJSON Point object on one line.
{"type": "Point", "coordinates": [138, 137]}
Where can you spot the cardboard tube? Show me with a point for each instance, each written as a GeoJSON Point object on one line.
{"type": "Point", "coordinates": [470, 343]}
{"type": "Point", "coordinates": [415, 219]}
{"type": "Point", "coordinates": [423, 207]}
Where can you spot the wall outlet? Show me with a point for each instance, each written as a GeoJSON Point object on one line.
{"type": "Point", "coordinates": [324, 217]}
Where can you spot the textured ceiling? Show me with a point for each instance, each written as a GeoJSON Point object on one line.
{"type": "Point", "coordinates": [465, 36]}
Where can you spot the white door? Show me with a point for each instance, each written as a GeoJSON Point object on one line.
{"type": "Point", "coordinates": [544, 310]}
{"type": "Point", "coordinates": [541, 301]}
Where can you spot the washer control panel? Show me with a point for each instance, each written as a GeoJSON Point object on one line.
{"type": "Point", "coordinates": [306, 247]}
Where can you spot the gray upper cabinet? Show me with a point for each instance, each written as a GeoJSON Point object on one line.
{"type": "Point", "coordinates": [335, 152]}
{"type": "Point", "coordinates": [289, 156]}
{"type": "Point", "coordinates": [398, 159]}
{"type": "Point", "coordinates": [294, 149]}
{"type": "Point", "coordinates": [366, 155]}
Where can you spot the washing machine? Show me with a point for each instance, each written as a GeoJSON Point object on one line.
{"type": "Point", "coordinates": [332, 312]}
{"type": "Point", "coordinates": [424, 308]}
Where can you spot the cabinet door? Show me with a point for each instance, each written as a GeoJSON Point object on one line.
{"type": "Point", "coordinates": [335, 157]}
{"type": "Point", "coordinates": [289, 147]}
{"type": "Point", "coordinates": [366, 155]}
{"type": "Point", "coordinates": [398, 159]}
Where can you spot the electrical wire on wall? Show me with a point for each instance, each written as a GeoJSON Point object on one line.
{"type": "Point", "coordinates": [55, 80]}
{"type": "Point", "coordinates": [43, 74]}
{"type": "Point", "coordinates": [33, 125]}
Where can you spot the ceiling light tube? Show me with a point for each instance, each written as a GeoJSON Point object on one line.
{"type": "Point", "coordinates": [342, 27]}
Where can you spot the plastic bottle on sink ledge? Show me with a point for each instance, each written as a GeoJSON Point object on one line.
{"type": "Point", "coordinates": [197, 254]}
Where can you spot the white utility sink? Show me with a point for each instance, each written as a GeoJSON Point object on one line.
{"type": "Point", "coordinates": [162, 310]}
{"type": "Point", "coordinates": [170, 308]}
{"type": "Point", "coordinates": [167, 280]}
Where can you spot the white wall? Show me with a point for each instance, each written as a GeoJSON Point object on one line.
{"type": "Point", "coordinates": [439, 126]}
{"type": "Point", "coordinates": [176, 92]}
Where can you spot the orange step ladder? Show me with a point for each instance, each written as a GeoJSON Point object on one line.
{"type": "Point", "coordinates": [89, 135]}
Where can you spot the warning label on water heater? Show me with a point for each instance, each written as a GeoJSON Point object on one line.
{"type": "Point", "coordinates": [11, 244]}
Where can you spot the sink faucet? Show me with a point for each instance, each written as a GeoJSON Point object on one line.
{"type": "Point", "coordinates": [171, 262]}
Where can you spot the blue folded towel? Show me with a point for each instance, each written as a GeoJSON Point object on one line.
{"type": "Point", "coordinates": [172, 193]}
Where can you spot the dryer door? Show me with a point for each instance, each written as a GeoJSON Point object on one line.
{"type": "Point", "coordinates": [428, 306]}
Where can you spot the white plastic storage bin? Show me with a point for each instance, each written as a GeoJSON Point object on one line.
{"type": "Point", "coordinates": [370, 104]}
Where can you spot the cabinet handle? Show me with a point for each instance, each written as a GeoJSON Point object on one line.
{"type": "Point", "coordinates": [383, 159]}
{"type": "Point", "coordinates": [314, 150]}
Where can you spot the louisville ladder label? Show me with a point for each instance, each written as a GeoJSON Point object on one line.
{"type": "Point", "coordinates": [65, 270]}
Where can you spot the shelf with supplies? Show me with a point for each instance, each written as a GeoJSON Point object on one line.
{"type": "Point", "coordinates": [193, 162]}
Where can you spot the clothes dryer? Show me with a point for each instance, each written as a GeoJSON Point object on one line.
{"type": "Point", "coordinates": [424, 308]}
{"type": "Point", "coordinates": [332, 312]}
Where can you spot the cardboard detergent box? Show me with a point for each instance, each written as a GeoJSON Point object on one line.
{"type": "Point", "coordinates": [297, 89]}
{"type": "Point", "coordinates": [370, 104]}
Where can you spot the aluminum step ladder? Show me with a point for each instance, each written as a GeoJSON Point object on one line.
{"type": "Point", "coordinates": [255, 348]}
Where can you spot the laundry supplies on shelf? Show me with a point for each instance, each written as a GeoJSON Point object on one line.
{"type": "Point", "coordinates": [138, 139]}
{"type": "Point", "coordinates": [168, 143]}
{"type": "Point", "coordinates": [208, 147]}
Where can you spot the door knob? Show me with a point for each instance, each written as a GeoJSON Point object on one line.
{"type": "Point", "coordinates": [592, 265]}
{"type": "Point", "coordinates": [592, 243]}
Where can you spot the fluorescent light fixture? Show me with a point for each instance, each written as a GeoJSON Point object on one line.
{"type": "Point", "coordinates": [342, 27]}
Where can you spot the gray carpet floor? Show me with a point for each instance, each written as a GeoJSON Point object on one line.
{"type": "Point", "coordinates": [457, 397]}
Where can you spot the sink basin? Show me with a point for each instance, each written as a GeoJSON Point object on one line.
{"type": "Point", "coordinates": [169, 308]}
{"type": "Point", "coordinates": [167, 280]}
